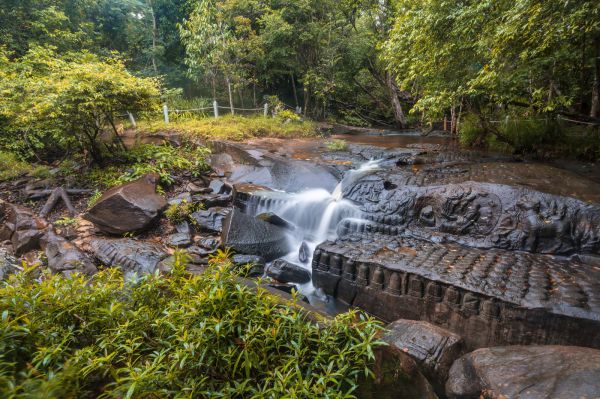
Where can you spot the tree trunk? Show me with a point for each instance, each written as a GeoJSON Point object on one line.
{"type": "Point", "coordinates": [453, 119]}
{"type": "Point", "coordinates": [595, 108]}
{"type": "Point", "coordinates": [154, 29]}
{"type": "Point", "coordinates": [230, 94]}
{"type": "Point", "coordinates": [394, 92]}
{"type": "Point", "coordinates": [306, 100]}
{"type": "Point", "coordinates": [294, 89]}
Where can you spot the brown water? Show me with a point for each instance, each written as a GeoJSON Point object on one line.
{"type": "Point", "coordinates": [395, 140]}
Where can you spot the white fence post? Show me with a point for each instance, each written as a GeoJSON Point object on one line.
{"type": "Point", "coordinates": [216, 108]}
{"type": "Point", "coordinates": [166, 112]}
{"type": "Point", "coordinates": [132, 119]}
{"type": "Point", "coordinates": [266, 109]}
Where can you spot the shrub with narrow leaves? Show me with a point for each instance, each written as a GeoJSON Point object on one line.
{"type": "Point", "coordinates": [172, 336]}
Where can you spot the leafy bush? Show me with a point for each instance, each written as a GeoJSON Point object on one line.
{"type": "Point", "coordinates": [61, 102]}
{"type": "Point", "coordinates": [178, 213]}
{"type": "Point", "coordinates": [11, 167]}
{"type": "Point", "coordinates": [336, 145]}
{"type": "Point", "coordinates": [287, 115]}
{"type": "Point", "coordinates": [172, 336]}
{"type": "Point", "coordinates": [163, 160]}
{"type": "Point", "coordinates": [232, 127]}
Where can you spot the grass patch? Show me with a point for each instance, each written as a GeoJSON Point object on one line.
{"type": "Point", "coordinates": [235, 128]}
{"type": "Point", "coordinates": [12, 167]}
{"type": "Point", "coordinates": [172, 336]}
{"type": "Point", "coordinates": [336, 145]}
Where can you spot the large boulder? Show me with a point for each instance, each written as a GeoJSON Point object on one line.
{"type": "Point", "coordinates": [287, 272]}
{"type": "Point", "coordinates": [130, 255]}
{"type": "Point", "coordinates": [131, 207]}
{"type": "Point", "coordinates": [433, 348]}
{"type": "Point", "coordinates": [526, 372]}
{"type": "Point", "coordinates": [64, 257]}
{"type": "Point", "coordinates": [247, 235]}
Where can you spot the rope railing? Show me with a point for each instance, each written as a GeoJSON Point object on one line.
{"type": "Point", "coordinates": [215, 111]}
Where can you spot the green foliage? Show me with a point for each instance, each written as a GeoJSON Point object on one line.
{"type": "Point", "coordinates": [288, 116]}
{"type": "Point", "coordinates": [172, 336]}
{"type": "Point", "coordinates": [528, 56]}
{"type": "Point", "coordinates": [164, 160]}
{"type": "Point", "coordinates": [94, 198]}
{"type": "Point", "coordinates": [178, 213]}
{"type": "Point", "coordinates": [63, 103]}
{"type": "Point", "coordinates": [65, 222]}
{"type": "Point", "coordinates": [11, 167]}
{"type": "Point", "coordinates": [233, 128]}
{"type": "Point", "coordinates": [336, 145]}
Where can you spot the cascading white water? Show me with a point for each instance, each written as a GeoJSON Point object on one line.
{"type": "Point", "coordinates": [316, 214]}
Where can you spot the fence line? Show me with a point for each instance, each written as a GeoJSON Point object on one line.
{"type": "Point", "coordinates": [215, 108]}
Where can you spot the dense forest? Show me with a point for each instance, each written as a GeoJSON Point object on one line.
{"type": "Point", "coordinates": [387, 63]}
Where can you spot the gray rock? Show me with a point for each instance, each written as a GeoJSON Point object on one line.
{"type": "Point", "coordinates": [304, 252]}
{"type": "Point", "coordinates": [286, 272]}
{"type": "Point", "coordinates": [180, 240]}
{"type": "Point", "coordinates": [210, 220]}
{"type": "Point", "coordinates": [526, 372]}
{"type": "Point", "coordinates": [247, 235]}
{"type": "Point", "coordinates": [209, 243]}
{"type": "Point", "coordinates": [131, 207]}
{"type": "Point", "coordinates": [433, 348]}
{"type": "Point", "coordinates": [183, 227]}
{"type": "Point", "coordinates": [180, 198]}
{"type": "Point", "coordinates": [212, 200]}
{"type": "Point", "coordinates": [130, 255]}
{"type": "Point", "coordinates": [220, 187]}
{"type": "Point", "coordinates": [272, 218]}
{"type": "Point", "coordinates": [64, 257]}
{"type": "Point", "coordinates": [8, 264]}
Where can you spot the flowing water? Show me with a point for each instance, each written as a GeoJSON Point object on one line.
{"type": "Point", "coordinates": [315, 213]}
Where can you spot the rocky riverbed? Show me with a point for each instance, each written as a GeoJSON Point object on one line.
{"type": "Point", "coordinates": [485, 266]}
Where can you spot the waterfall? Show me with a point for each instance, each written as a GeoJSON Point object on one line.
{"type": "Point", "coordinates": [316, 213]}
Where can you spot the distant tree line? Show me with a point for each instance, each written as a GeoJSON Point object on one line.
{"type": "Point", "coordinates": [384, 62]}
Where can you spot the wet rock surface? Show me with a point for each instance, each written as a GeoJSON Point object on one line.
{"type": "Point", "coordinates": [131, 207]}
{"type": "Point", "coordinates": [490, 297]}
{"type": "Point", "coordinates": [479, 215]}
{"type": "Point", "coordinates": [8, 264]}
{"type": "Point", "coordinates": [526, 372]}
{"type": "Point", "coordinates": [129, 255]}
{"type": "Point", "coordinates": [287, 272]}
{"type": "Point", "coordinates": [65, 258]}
{"type": "Point", "coordinates": [248, 235]}
{"type": "Point", "coordinates": [210, 220]}
{"type": "Point", "coordinates": [433, 348]}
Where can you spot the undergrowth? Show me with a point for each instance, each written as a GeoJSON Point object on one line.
{"type": "Point", "coordinates": [233, 127]}
{"type": "Point", "coordinates": [536, 135]}
{"type": "Point", "coordinates": [163, 160]}
{"type": "Point", "coordinates": [178, 213]}
{"type": "Point", "coordinates": [172, 336]}
{"type": "Point", "coordinates": [12, 167]}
